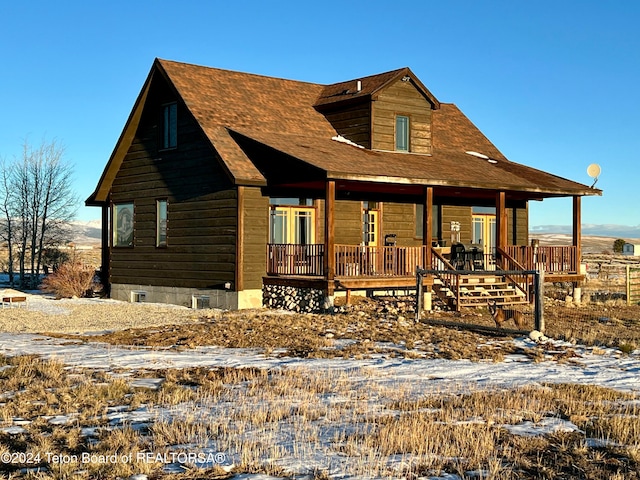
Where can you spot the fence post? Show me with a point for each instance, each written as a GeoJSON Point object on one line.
{"type": "Point", "coordinates": [419, 294]}
{"type": "Point", "coordinates": [628, 285]}
{"type": "Point", "coordinates": [539, 304]}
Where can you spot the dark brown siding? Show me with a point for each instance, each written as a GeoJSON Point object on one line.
{"type": "Point", "coordinates": [399, 218]}
{"type": "Point", "coordinates": [520, 234]}
{"type": "Point", "coordinates": [348, 222]}
{"type": "Point", "coordinates": [256, 232]}
{"type": "Point", "coordinates": [353, 122]}
{"type": "Point", "coordinates": [401, 98]}
{"type": "Point", "coordinates": [456, 214]}
{"type": "Point", "coordinates": [202, 206]}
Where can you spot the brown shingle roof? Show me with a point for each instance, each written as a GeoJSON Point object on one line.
{"type": "Point", "coordinates": [445, 167]}
{"type": "Point", "coordinates": [370, 85]}
{"type": "Point", "coordinates": [282, 114]}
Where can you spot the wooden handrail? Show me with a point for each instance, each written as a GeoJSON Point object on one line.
{"type": "Point", "coordinates": [512, 264]}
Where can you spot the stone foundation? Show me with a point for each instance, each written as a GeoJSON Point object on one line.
{"type": "Point", "coordinates": [295, 299]}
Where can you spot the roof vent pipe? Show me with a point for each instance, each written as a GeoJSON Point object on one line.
{"type": "Point", "coordinates": [358, 85]}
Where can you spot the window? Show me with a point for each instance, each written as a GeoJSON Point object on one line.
{"type": "Point", "coordinates": [170, 126]}
{"type": "Point", "coordinates": [161, 223]}
{"type": "Point", "coordinates": [402, 133]}
{"type": "Point", "coordinates": [370, 223]}
{"type": "Point", "coordinates": [123, 222]}
{"type": "Point", "coordinates": [435, 221]}
{"type": "Point", "coordinates": [292, 220]}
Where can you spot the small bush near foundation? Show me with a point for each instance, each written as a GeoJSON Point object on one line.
{"type": "Point", "coordinates": [71, 279]}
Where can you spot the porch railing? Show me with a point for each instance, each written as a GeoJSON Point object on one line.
{"type": "Point", "coordinates": [292, 259]}
{"type": "Point", "coordinates": [395, 261]}
{"type": "Point", "coordinates": [378, 261]}
{"type": "Point", "coordinates": [556, 259]}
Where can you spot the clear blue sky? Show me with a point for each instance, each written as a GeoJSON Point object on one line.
{"type": "Point", "coordinates": [554, 84]}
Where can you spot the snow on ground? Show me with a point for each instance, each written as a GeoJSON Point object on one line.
{"type": "Point", "coordinates": [373, 381]}
{"type": "Point", "coordinates": [607, 367]}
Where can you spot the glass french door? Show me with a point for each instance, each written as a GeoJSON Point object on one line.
{"type": "Point", "coordinates": [370, 228]}
{"type": "Point", "coordinates": [292, 225]}
{"type": "Point", "coordinates": [484, 232]}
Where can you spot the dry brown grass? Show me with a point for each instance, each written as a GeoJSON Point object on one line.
{"type": "Point", "coordinates": [251, 412]}
{"type": "Point", "coordinates": [372, 422]}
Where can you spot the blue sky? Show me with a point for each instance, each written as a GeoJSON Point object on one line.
{"type": "Point", "coordinates": [554, 84]}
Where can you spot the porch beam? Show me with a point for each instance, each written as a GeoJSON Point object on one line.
{"type": "Point", "coordinates": [329, 259]}
{"type": "Point", "coordinates": [501, 220]}
{"type": "Point", "coordinates": [577, 229]}
{"type": "Point", "coordinates": [427, 227]}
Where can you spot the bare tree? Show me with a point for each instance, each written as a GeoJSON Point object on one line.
{"type": "Point", "coordinates": [7, 215]}
{"type": "Point", "coordinates": [40, 205]}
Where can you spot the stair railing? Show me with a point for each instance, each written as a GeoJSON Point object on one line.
{"type": "Point", "coordinates": [444, 269]}
{"type": "Point", "coordinates": [521, 282]}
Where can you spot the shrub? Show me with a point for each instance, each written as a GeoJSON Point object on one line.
{"type": "Point", "coordinates": [71, 279]}
{"type": "Point", "coordinates": [618, 245]}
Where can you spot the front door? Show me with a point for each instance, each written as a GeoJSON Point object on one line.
{"type": "Point", "coordinates": [370, 228]}
{"type": "Point", "coordinates": [484, 232]}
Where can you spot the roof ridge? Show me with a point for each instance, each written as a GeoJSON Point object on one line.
{"type": "Point", "coordinates": [238, 72]}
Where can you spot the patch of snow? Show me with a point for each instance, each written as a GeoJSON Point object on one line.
{"type": "Point", "coordinates": [545, 426]}
{"type": "Point", "coordinates": [341, 139]}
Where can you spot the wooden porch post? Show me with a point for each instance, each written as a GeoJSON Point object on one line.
{"type": "Point", "coordinates": [577, 241]}
{"type": "Point", "coordinates": [106, 253]}
{"type": "Point", "coordinates": [501, 220]}
{"type": "Point", "coordinates": [427, 225]}
{"type": "Point", "coordinates": [329, 235]}
{"type": "Point", "coordinates": [577, 230]}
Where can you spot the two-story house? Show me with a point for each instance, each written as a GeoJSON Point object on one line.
{"type": "Point", "coordinates": [242, 187]}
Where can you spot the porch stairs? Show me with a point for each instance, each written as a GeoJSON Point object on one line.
{"type": "Point", "coordinates": [477, 290]}
{"type": "Point", "coordinates": [459, 289]}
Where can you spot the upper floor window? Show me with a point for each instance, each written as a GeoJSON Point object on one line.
{"type": "Point", "coordinates": [170, 126]}
{"type": "Point", "coordinates": [402, 133]}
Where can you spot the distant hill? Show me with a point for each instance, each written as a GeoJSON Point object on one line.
{"type": "Point", "coordinates": [598, 230]}
{"type": "Point", "coordinates": [595, 238]}
{"type": "Point", "coordinates": [86, 233]}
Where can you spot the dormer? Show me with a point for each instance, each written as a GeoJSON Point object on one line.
{"type": "Point", "coordinates": [390, 111]}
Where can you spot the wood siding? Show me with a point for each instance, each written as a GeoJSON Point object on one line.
{"type": "Point", "coordinates": [520, 234]}
{"type": "Point", "coordinates": [353, 122]}
{"type": "Point", "coordinates": [255, 237]}
{"type": "Point", "coordinates": [456, 214]}
{"type": "Point", "coordinates": [401, 98]}
{"type": "Point", "coordinates": [202, 206]}
{"type": "Point", "coordinates": [399, 218]}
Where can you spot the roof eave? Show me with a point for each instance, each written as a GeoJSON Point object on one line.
{"type": "Point", "coordinates": [334, 175]}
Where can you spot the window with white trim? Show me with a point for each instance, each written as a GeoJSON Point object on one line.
{"type": "Point", "coordinates": [402, 133]}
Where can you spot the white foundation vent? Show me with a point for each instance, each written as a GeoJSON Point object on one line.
{"type": "Point", "coordinates": [138, 296]}
{"type": "Point", "coordinates": [198, 302]}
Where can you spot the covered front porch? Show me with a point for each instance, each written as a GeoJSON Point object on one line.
{"type": "Point", "coordinates": [346, 267]}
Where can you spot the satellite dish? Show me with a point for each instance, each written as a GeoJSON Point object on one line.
{"type": "Point", "coordinates": [593, 171]}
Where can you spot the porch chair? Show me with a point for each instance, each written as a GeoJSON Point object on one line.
{"type": "Point", "coordinates": [458, 256]}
